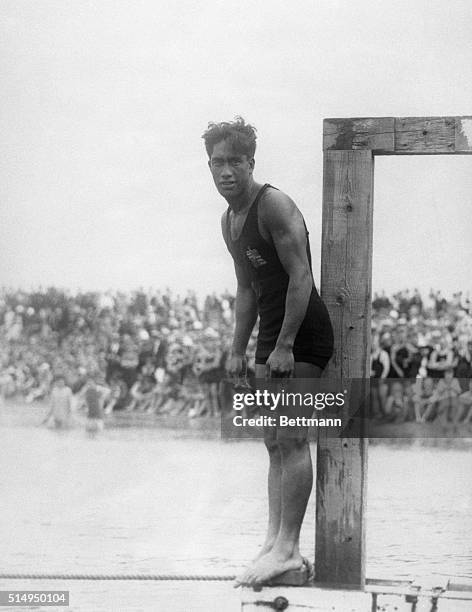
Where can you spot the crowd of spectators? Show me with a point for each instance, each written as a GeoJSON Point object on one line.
{"type": "Point", "coordinates": [155, 351]}
{"type": "Point", "coordinates": [421, 363]}
{"type": "Point", "coordinates": [161, 353]}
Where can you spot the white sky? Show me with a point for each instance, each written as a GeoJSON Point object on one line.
{"type": "Point", "coordinates": [103, 176]}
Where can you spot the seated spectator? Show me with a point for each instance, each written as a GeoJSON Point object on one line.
{"type": "Point", "coordinates": [119, 397]}
{"type": "Point", "coordinates": [424, 399]}
{"type": "Point", "coordinates": [448, 391]}
{"type": "Point", "coordinates": [44, 384]}
{"type": "Point", "coordinates": [462, 362]}
{"type": "Point", "coordinates": [79, 379]}
{"type": "Point", "coordinates": [8, 385]}
{"type": "Point", "coordinates": [129, 360]}
{"type": "Point", "coordinates": [401, 355]}
{"type": "Point", "coordinates": [379, 359]}
{"type": "Point", "coordinates": [113, 359]}
{"type": "Point", "coordinates": [142, 393]}
{"type": "Point", "coordinates": [396, 406]}
{"type": "Point", "coordinates": [424, 353]}
{"type": "Point", "coordinates": [441, 358]}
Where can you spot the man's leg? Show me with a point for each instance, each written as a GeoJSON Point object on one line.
{"type": "Point", "coordinates": [274, 489]}
{"type": "Point", "coordinates": [288, 497]}
{"type": "Point", "coordinates": [274, 480]}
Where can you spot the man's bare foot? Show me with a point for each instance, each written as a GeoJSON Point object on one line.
{"type": "Point", "coordinates": [267, 567]}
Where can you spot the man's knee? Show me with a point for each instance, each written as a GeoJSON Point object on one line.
{"type": "Point", "coordinates": [290, 444]}
{"type": "Point", "coordinates": [272, 446]}
{"type": "Point", "coordinates": [270, 440]}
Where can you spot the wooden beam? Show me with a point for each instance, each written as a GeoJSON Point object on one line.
{"type": "Point", "coordinates": [416, 135]}
{"type": "Point", "coordinates": [400, 135]}
{"type": "Point", "coordinates": [346, 272]}
{"type": "Point", "coordinates": [375, 134]}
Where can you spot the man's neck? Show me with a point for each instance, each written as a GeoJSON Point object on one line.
{"type": "Point", "coordinates": [241, 202]}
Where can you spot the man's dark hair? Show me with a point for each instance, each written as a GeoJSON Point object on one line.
{"type": "Point", "coordinates": [238, 133]}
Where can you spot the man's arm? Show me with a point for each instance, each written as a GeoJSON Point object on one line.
{"type": "Point", "coordinates": [245, 315]}
{"type": "Point", "coordinates": [284, 222]}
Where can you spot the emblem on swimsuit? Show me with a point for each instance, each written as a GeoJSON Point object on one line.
{"type": "Point", "coordinates": [255, 258]}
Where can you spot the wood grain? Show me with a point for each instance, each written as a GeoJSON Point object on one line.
{"type": "Point", "coordinates": [399, 135]}
{"type": "Point", "coordinates": [375, 134]}
{"type": "Point", "coordinates": [416, 135]}
{"type": "Point", "coordinates": [346, 289]}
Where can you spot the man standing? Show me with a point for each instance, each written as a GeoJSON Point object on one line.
{"type": "Point", "coordinates": [268, 240]}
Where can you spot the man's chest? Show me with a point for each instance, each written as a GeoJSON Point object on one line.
{"type": "Point", "coordinates": [236, 224]}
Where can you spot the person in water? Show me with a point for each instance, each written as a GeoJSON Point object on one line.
{"type": "Point", "coordinates": [61, 404]}
{"type": "Point", "coordinates": [94, 396]}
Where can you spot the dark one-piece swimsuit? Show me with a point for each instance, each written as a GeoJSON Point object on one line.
{"type": "Point", "coordinates": [259, 259]}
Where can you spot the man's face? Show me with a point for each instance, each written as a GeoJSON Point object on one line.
{"type": "Point", "coordinates": [231, 170]}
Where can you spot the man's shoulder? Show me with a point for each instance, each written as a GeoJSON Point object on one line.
{"type": "Point", "coordinates": [277, 207]}
{"type": "Point", "coordinates": [273, 195]}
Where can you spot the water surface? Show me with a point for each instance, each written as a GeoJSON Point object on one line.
{"type": "Point", "coordinates": [159, 501]}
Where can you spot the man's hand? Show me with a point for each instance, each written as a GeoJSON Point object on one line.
{"type": "Point", "coordinates": [236, 367]}
{"type": "Point", "coordinates": [280, 363]}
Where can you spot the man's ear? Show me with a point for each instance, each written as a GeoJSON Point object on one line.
{"type": "Point", "coordinates": [209, 164]}
{"type": "Point", "coordinates": [252, 163]}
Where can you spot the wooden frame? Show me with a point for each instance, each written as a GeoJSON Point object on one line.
{"type": "Point", "coordinates": [349, 148]}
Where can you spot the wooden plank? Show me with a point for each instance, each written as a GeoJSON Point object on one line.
{"type": "Point", "coordinates": [399, 135]}
{"type": "Point", "coordinates": [346, 261]}
{"type": "Point", "coordinates": [346, 289]}
{"type": "Point", "coordinates": [425, 135]}
{"type": "Point", "coordinates": [306, 599]}
{"type": "Point", "coordinates": [375, 134]}
{"type": "Point", "coordinates": [463, 135]}
{"type": "Point", "coordinates": [314, 598]}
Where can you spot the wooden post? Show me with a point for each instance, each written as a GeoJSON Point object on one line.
{"type": "Point", "coordinates": [346, 289]}
{"type": "Point", "coordinates": [349, 147]}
